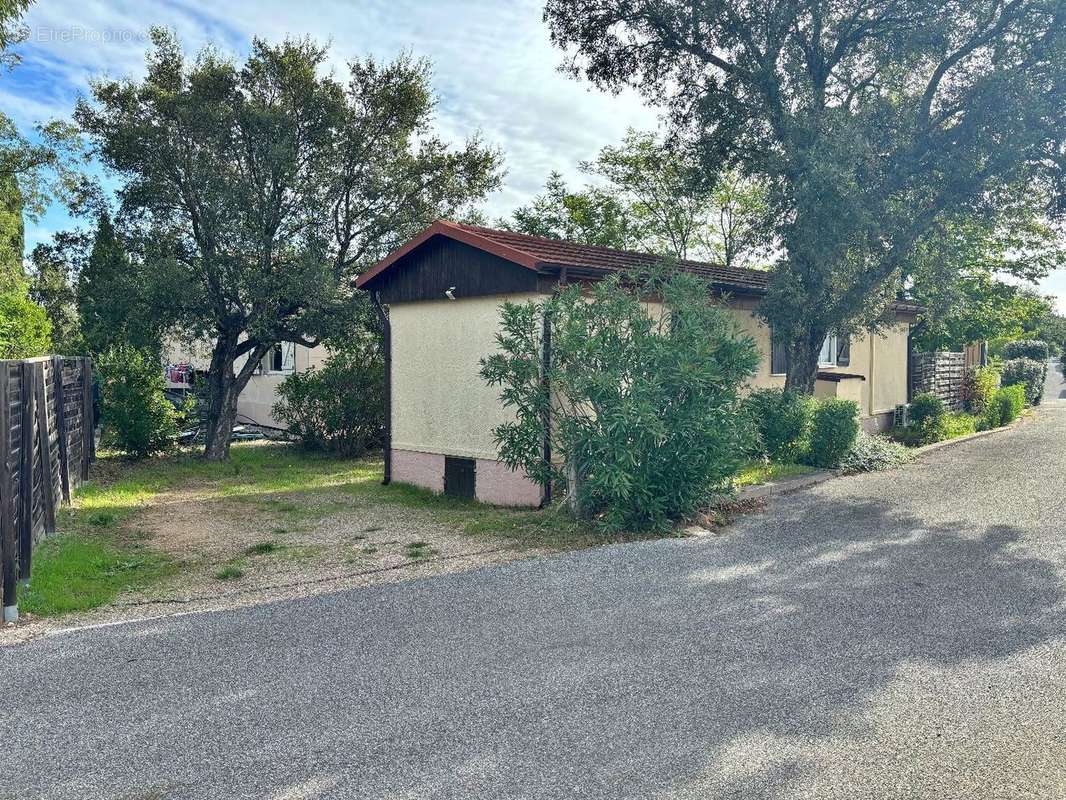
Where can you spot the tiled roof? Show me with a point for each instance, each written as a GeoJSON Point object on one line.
{"type": "Point", "coordinates": [539, 253]}
{"type": "Point", "coordinates": [557, 253]}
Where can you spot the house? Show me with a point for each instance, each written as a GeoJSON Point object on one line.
{"type": "Point", "coordinates": [259, 396]}
{"type": "Point", "coordinates": [443, 291]}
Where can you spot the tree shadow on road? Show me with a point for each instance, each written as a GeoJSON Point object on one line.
{"type": "Point", "coordinates": [723, 667]}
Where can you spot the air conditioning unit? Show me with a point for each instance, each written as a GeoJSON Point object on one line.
{"type": "Point", "coordinates": [901, 417]}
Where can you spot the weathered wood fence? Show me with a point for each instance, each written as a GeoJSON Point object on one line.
{"type": "Point", "coordinates": [46, 445]}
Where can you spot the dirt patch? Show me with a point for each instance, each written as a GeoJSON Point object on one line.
{"type": "Point", "coordinates": [256, 549]}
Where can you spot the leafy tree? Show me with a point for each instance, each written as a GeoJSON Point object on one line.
{"type": "Point", "coordinates": [24, 327]}
{"type": "Point", "coordinates": [868, 120]}
{"type": "Point", "coordinates": [644, 409]}
{"type": "Point", "coordinates": [56, 266]}
{"type": "Point", "coordinates": [118, 297]}
{"type": "Point", "coordinates": [651, 197]}
{"type": "Point", "coordinates": [591, 216]}
{"type": "Point", "coordinates": [262, 189]}
{"type": "Point", "coordinates": [959, 266]}
{"type": "Point", "coordinates": [737, 232]}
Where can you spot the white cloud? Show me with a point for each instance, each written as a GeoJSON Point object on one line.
{"type": "Point", "coordinates": [494, 67]}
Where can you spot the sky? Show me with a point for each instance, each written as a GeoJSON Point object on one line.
{"type": "Point", "coordinates": [495, 73]}
{"type": "Point", "coordinates": [494, 70]}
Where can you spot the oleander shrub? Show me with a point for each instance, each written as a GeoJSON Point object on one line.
{"type": "Point", "coordinates": [978, 386]}
{"type": "Point", "coordinates": [926, 418]}
{"type": "Point", "coordinates": [871, 453]}
{"type": "Point", "coordinates": [1026, 348]}
{"type": "Point", "coordinates": [645, 409]}
{"type": "Point", "coordinates": [136, 416]}
{"type": "Point", "coordinates": [782, 422]}
{"type": "Point", "coordinates": [1029, 374]}
{"type": "Point", "coordinates": [1005, 406]}
{"type": "Point", "coordinates": [834, 429]}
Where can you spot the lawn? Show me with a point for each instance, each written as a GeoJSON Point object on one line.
{"type": "Point", "coordinates": [178, 526]}
{"type": "Point", "coordinates": [756, 472]}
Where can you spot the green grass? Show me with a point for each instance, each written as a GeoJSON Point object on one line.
{"type": "Point", "coordinates": [78, 572]}
{"type": "Point", "coordinates": [756, 472]}
{"type": "Point", "coordinates": [262, 548]}
{"type": "Point", "coordinates": [230, 572]}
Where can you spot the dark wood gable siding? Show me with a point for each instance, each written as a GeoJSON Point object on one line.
{"type": "Point", "coordinates": [440, 263]}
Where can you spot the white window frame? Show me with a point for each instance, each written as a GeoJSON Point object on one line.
{"type": "Point", "coordinates": [288, 359]}
{"type": "Point", "coordinates": [833, 343]}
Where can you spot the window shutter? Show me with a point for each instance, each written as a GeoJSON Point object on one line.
{"type": "Point", "coordinates": [843, 351]}
{"type": "Point", "coordinates": [288, 356]}
{"type": "Point", "coordinates": [778, 357]}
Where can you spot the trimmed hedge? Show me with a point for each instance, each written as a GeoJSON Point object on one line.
{"type": "Point", "coordinates": [834, 429]}
{"type": "Point", "coordinates": [1006, 406]}
{"type": "Point", "coordinates": [927, 417]}
{"type": "Point", "coordinates": [782, 422]}
{"type": "Point", "coordinates": [1030, 374]}
{"type": "Point", "coordinates": [1026, 348]}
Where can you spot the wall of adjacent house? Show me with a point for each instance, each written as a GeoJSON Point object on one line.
{"type": "Point", "coordinates": [261, 393]}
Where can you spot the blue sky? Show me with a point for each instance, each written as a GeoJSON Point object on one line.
{"type": "Point", "coordinates": [495, 71]}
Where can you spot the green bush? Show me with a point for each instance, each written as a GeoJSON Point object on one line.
{"type": "Point", "coordinates": [958, 424]}
{"type": "Point", "coordinates": [1030, 374]}
{"type": "Point", "coordinates": [926, 419]}
{"type": "Point", "coordinates": [136, 416]}
{"type": "Point", "coordinates": [645, 408]}
{"type": "Point", "coordinates": [782, 422]}
{"type": "Point", "coordinates": [978, 386]}
{"type": "Point", "coordinates": [834, 429]}
{"type": "Point", "coordinates": [872, 453]}
{"type": "Point", "coordinates": [1026, 348]}
{"type": "Point", "coordinates": [340, 407]}
{"type": "Point", "coordinates": [1005, 407]}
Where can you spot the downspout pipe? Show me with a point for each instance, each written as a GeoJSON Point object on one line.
{"type": "Point", "coordinates": [545, 367]}
{"type": "Point", "coordinates": [545, 384]}
{"type": "Point", "coordinates": [386, 343]}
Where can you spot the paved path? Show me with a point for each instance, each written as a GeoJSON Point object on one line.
{"type": "Point", "coordinates": [900, 635]}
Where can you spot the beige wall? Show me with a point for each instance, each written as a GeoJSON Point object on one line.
{"type": "Point", "coordinates": [442, 405]}
{"type": "Point", "coordinates": [440, 402]}
{"type": "Point", "coordinates": [881, 358]}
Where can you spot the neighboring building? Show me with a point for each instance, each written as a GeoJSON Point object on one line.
{"type": "Point", "coordinates": [259, 396]}
{"type": "Point", "coordinates": [442, 413]}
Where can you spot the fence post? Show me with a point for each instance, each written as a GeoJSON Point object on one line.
{"type": "Point", "coordinates": [61, 426]}
{"type": "Point", "coordinates": [7, 522]}
{"type": "Point", "coordinates": [28, 405]}
{"type": "Point", "coordinates": [88, 443]}
{"type": "Point", "coordinates": [44, 435]}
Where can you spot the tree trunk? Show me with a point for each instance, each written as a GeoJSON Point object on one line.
{"type": "Point", "coordinates": [224, 387]}
{"type": "Point", "coordinates": [802, 370]}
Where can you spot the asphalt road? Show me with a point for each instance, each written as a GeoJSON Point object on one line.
{"type": "Point", "coordinates": [899, 635]}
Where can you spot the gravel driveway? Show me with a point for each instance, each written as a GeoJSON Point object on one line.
{"type": "Point", "coordinates": [899, 635]}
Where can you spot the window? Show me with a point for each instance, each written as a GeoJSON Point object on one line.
{"type": "Point", "coordinates": [282, 358]}
{"type": "Point", "coordinates": [836, 352]}
{"type": "Point", "coordinates": [778, 357]}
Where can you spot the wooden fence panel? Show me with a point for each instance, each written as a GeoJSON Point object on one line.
{"type": "Point", "coordinates": [46, 445]}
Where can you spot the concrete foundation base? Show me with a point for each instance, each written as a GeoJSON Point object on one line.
{"type": "Point", "coordinates": [495, 482]}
